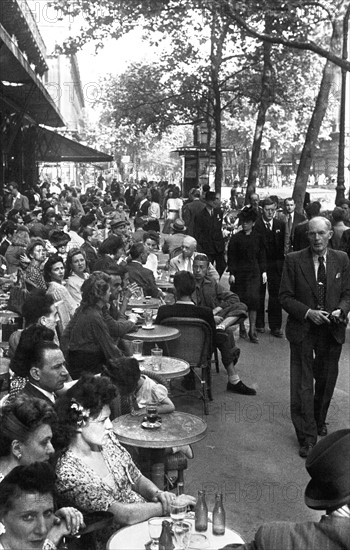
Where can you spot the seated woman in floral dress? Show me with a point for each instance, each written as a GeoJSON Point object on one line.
{"type": "Point", "coordinates": [94, 472]}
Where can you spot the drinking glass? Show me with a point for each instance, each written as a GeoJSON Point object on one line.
{"type": "Point", "coordinates": [155, 529]}
{"type": "Point", "coordinates": [177, 511]}
{"type": "Point", "coordinates": [137, 349]}
{"type": "Point", "coordinates": [148, 315]}
{"type": "Point", "coordinates": [157, 355]}
{"type": "Point", "coordinates": [152, 412]}
{"type": "Point", "coordinates": [182, 534]}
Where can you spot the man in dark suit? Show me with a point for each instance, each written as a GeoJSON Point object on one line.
{"type": "Point", "coordinates": [19, 202]}
{"type": "Point", "coordinates": [315, 292]}
{"type": "Point", "coordinates": [272, 232]}
{"type": "Point", "coordinates": [143, 204]}
{"type": "Point", "coordinates": [48, 375]}
{"type": "Point", "coordinates": [293, 218]}
{"type": "Point", "coordinates": [328, 489]}
{"type": "Point", "coordinates": [139, 274]}
{"type": "Point", "coordinates": [190, 211]}
{"type": "Point", "coordinates": [208, 232]}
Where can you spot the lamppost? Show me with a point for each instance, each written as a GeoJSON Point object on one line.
{"type": "Point", "coordinates": [341, 151]}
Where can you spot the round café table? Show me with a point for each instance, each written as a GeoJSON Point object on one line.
{"type": "Point", "coordinates": [159, 333]}
{"type": "Point", "coordinates": [177, 429]}
{"type": "Point", "coordinates": [143, 303]}
{"type": "Point", "coordinates": [135, 537]}
{"type": "Point", "coordinates": [171, 367]}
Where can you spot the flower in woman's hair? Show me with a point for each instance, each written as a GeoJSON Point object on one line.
{"type": "Point", "coordinates": [80, 415]}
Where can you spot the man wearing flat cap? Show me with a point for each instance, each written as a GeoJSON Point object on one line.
{"type": "Point", "coordinates": [329, 490]}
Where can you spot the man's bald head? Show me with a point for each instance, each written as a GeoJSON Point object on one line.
{"type": "Point", "coordinates": [189, 246]}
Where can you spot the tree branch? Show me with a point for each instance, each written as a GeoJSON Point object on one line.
{"type": "Point", "coordinates": [296, 44]}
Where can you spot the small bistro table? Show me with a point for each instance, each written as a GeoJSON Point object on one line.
{"type": "Point", "coordinates": [177, 429]}
{"type": "Point", "coordinates": [171, 367]}
{"type": "Point", "coordinates": [135, 537]}
{"type": "Point", "coordinates": [143, 303]}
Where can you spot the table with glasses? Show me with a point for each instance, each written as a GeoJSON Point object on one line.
{"type": "Point", "coordinates": [135, 537]}
{"type": "Point", "coordinates": [171, 367]}
{"type": "Point", "coordinates": [158, 334]}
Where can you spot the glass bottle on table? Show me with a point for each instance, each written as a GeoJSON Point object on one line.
{"type": "Point", "coordinates": [166, 539]}
{"type": "Point", "coordinates": [201, 513]}
{"type": "Point", "coordinates": [219, 516]}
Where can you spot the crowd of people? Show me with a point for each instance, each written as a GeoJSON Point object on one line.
{"type": "Point", "coordinates": [78, 259]}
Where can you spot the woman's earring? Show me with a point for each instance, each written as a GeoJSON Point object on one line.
{"type": "Point", "coordinates": [19, 456]}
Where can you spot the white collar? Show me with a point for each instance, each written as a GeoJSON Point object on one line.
{"type": "Point", "coordinates": [48, 394]}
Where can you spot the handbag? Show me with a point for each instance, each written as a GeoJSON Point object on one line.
{"type": "Point", "coordinates": [18, 294]}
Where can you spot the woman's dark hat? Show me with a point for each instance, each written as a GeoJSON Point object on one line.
{"type": "Point", "coordinates": [328, 466]}
{"type": "Point", "coordinates": [248, 214]}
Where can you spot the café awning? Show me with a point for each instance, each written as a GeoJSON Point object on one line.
{"type": "Point", "coordinates": [53, 147]}
{"type": "Point", "coordinates": [21, 89]}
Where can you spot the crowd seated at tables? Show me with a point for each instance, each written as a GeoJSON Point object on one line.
{"type": "Point", "coordinates": [69, 361]}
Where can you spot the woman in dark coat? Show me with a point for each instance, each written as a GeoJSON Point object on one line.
{"type": "Point", "coordinates": [247, 266]}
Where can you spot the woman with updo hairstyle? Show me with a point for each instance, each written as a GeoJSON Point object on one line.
{"type": "Point", "coordinates": [94, 472]}
{"type": "Point", "coordinates": [25, 433]}
{"type": "Point", "coordinates": [87, 340]}
{"type": "Point", "coordinates": [27, 510]}
{"type": "Point", "coordinates": [66, 306]}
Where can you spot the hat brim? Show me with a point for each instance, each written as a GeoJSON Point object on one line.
{"type": "Point", "coordinates": [118, 224]}
{"type": "Point", "coordinates": [322, 497]}
{"type": "Point", "coordinates": [178, 229]}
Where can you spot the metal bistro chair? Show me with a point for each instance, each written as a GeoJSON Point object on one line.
{"type": "Point", "coordinates": [195, 347]}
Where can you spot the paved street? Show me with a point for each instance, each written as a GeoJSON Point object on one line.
{"type": "Point", "coordinates": [250, 452]}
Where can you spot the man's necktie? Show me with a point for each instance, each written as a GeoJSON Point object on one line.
{"type": "Point", "coordinates": [268, 226]}
{"type": "Point", "coordinates": [290, 224]}
{"type": "Point", "coordinates": [321, 282]}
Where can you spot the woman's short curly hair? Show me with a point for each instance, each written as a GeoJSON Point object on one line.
{"type": "Point", "coordinates": [20, 418]}
{"type": "Point", "coordinates": [70, 255]}
{"type": "Point", "coordinates": [94, 288]}
{"type": "Point", "coordinates": [51, 261]}
{"type": "Point", "coordinates": [92, 393]}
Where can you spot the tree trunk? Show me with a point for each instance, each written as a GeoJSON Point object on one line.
{"type": "Point", "coordinates": [315, 124]}
{"type": "Point", "coordinates": [218, 36]}
{"type": "Point", "coordinates": [265, 102]}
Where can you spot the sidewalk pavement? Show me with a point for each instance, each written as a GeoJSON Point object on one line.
{"type": "Point", "coordinates": [250, 452]}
